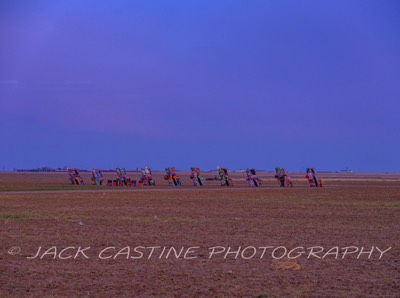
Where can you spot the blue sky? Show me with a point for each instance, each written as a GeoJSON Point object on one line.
{"type": "Point", "coordinates": [200, 83]}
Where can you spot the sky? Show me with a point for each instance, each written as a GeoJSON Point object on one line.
{"type": "Point", "coordinates": [236, 84]}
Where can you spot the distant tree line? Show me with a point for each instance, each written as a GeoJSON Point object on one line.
{"type": "Point", "coordinates": [42, 169]}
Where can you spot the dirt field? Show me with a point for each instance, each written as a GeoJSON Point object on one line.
{"type": "Point", "coordinates": [116, 240]}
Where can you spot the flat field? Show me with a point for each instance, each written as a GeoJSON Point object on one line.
{"type": "Point", "coordinates": [60, 240]}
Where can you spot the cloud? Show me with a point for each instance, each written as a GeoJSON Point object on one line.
{"type": "Point", "coordinates": [83, 82]}
{"type": "Point", "coordinates": [10, 84]}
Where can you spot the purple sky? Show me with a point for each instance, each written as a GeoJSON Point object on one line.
{"type": "Point", "coordinates": [200, 83]}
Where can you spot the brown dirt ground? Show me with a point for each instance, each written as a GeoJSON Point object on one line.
{"type": "Point", "coordinates": [40, 209]}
